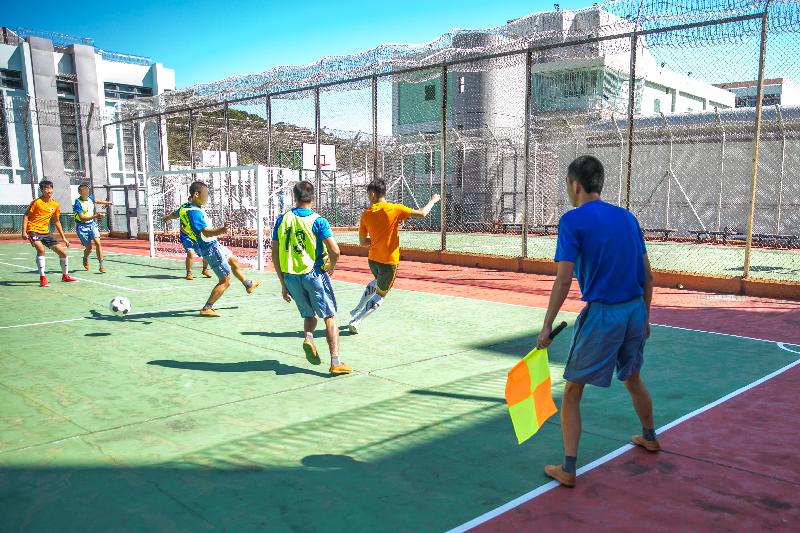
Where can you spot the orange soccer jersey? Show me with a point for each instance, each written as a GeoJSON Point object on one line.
{"type": "Point", "coordinates": [40, 213]}
{"type": "Point", "coordinates": [381, 221]}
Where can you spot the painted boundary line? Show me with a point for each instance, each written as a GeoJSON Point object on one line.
{"type": "Point", "coordinates": [516, 502]}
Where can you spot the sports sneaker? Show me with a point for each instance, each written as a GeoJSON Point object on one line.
{"type": "Point", "coordinates": [208, 312]}
{"type": "Point", "coordinates": [206, 273]}
{"type": "Point", "coordinates": [67, 277]}
{"type": "Point", "coordinates": [649, 445]}
{"type": "Point", "coordinates": [43, 281]}
{"type": "Point", "coordinates": [557, 472]}
{"type": "Point", "coordinates": [102, 269]}
{"type": "Point", "coordinates": [189, 276]}
{"type": "Point", "coordinates": [86, 263]}
{"type": "Point", "coordinates": [352, 327]}
{"type": "Point", "coordinates": [341, 368]}
{"type": "Point", "coordinates": [311, 352]}
{"type": "Point", "coordinates": [252, 287]}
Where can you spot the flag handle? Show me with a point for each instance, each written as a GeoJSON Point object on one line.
{"type": "Point", "coordinates": [558, 330]}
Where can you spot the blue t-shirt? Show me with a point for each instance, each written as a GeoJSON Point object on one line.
{"type": "Point", "coordinates": [81, 207]}
{"type": "Point", "coordinates": [606, 244]}
{"type": "Point", "coordinates": [197, 223]}
{"type": "Point", "coordinates": [321, 228]}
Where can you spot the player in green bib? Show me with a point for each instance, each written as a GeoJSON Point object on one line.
{"type": "Point", "coordinates": [304, 254]}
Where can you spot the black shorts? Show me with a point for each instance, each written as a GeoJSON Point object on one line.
{"type": "Point", "coordinates": [384, 274]}
{"type": "Point", "coordinates": [44, 238]}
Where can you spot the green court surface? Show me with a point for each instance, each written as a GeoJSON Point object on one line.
{"type": "Point", "coordinates": [165, 420]}
{"type": "Point", "coordinates": [694, 258]}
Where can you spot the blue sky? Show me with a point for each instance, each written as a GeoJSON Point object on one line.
{"type": "Point", "coordinates": [209, 40]}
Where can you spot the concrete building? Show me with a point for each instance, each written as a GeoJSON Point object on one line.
{"type": "Point", "coordinates": [56, 91]}
{"type": "Point", "coordinates": [777, 91]}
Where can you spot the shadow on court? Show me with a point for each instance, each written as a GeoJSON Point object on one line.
{"type": "Point", "coordinates": [141, 317]}
{"type": "Point", "coordinates": [158, 276]}
{"type": "Point", "coordinates": [267, 365]}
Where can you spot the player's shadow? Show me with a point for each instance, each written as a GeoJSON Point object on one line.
{"type": "Point", "coordinates": [318, 334]}
{"type": "Point", "coordinates": [157, 276]}
{"type": "Point", "coordinates": [141, 317]}
{"type": "Point", "coordinates": [266, 365]}
{"type": "Point", "coordinates": [18, 283]}
{"type": "Point", "coordinates": [330, 461]}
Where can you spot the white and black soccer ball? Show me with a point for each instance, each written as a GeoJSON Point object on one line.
{"type": "Point", "coordinates": [120, 305]}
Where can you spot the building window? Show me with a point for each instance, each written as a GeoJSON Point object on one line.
{"type": "Point", "coordinates": [65, 87]}
{"type": "Point", "coordinates": [120, 91]}
{"type": "Point", "coordinates": [69, 116]}
{"type": "Point", "coordinates": [657, 106]}
{"type": "Point", "coordinates": [11, 79]}
{"type": "Point", "coordinates": [430, 92]}
{"type": "Point", "coordinates": [461, 84]}
{"type": "Point", "coordinates": [130, 146]}
{"type": "Point", "coordinates": [5, 158]}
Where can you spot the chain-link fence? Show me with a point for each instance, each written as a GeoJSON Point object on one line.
{"type": "Point", "coordinates": [665, 94]}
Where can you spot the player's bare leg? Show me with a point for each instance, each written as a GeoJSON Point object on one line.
{"type": "Point", "coordinates": [218, 290]}
{"type": "Point", "coordinates": [249, 285]}
{"type": "Point", "coordinates": [99, 248]}
{"type": "Point", "coordinates": [87, 251]}
{"type": "Point", "coordinates": [188, 263]}
{"type": "Point", "coordinates": [205, 272]}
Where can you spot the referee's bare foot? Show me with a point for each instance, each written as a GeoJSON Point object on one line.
{"type": "Point", "coordinates": [649, 445]}
{"type": "Point", "coordinates": [557, 473]}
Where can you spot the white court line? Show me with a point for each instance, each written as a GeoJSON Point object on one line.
{"type": "Point", "coordinates": [516, 502]}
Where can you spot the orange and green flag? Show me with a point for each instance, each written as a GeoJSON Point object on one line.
{"type": "Point", "coordinates": [528, 392]}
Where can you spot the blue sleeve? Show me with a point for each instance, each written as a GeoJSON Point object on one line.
{"type": "Point", "coordinates": [197, 220]}
{"type": "Point", "coordinates": [568, 246]}
{"type": "Point", "coordinates": [322, 228]}
{"type": "Point", "coordinates": [77, 208]}
{"type": "Point", "coordinates": [91, 198]}
{"type": "Point", "coordinates": [276, 227]}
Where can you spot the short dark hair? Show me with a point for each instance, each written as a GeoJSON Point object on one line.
{"type": "Point", "coordinates": [588, 171]}
{"type": "Point", "coordinates": [303, 191]}
{"type": "Point", "coordinates": [196, 186]}
{"type": "Point", "coordinates": [45, 183]}
{"type": "Point", "coordinates": [83, 185]}
{"type": "Point", "coordinates": [378, 186]}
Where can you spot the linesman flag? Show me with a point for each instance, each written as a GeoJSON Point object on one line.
{"type": "Point", "coordinates": [528, 392]}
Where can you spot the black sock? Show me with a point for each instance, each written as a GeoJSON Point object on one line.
{"type": "Point", "coordinates": [648, 433]}
{"type": "Point", "coordinates": [570, 464]}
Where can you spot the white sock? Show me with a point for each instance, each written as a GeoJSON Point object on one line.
{"type": "Point", "coordinates": [64, 262]}
{"type": "Point", "coordinates": [40, 264]}
{"type": "Point", "coordinates": [369, 290]}
{"type": "Point", "coordinates": [372, 305]}
{"type": "Point", "coordinates": [310, 336]}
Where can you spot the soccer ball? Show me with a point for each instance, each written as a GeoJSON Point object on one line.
{"type": "Point", "coordinates": [120, 305]}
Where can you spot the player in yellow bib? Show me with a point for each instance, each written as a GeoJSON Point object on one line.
{"type": "Point", "coordinates": [304, 254]}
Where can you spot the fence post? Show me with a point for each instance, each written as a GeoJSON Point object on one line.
{"type": "Point", "coordinates": [27, 124]}
{"type": "Point", "coordinates": [268, 105]}
{"type": "Point", "coordinates": [88, 130]}
{"type": "Point", "coordinates": [109, 209]}
{"type": "Point", "coordinates": [191, 143]}
{"type": "Point", "coordinates": [374, 127]}
{"type": "Point", "coordinates": [228, 178]}
{"type": "Point", "coordinates": [721, 169]}
{"type": "Point", "coordinates": [631, 109]}
{"type": "Point", "coordinates": [443, 160]}
{"type": "Point", "coordinates": [526, 163]}
{"type": "Point", "coordinates": [317, 158]}
{"type": "Point", "coordinates": [759, 109]}
{"type": "Point", "coordinates": [782, 130]}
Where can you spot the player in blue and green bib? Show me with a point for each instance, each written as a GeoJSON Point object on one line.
{"type": "Point", "coordinates": [304, 254]}
{"type": "Point", "coordinates": [86, 217]}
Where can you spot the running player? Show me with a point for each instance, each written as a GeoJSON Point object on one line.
{"type": "Point", "coordinates": [221, 260]}
{"type": "Point", "coordinates": [379, 229]}
{"type": "Point", "coordinates": [189, 245]}
{"type": "Point", "coordinates": [86, 217]}
{"type": "Point", "coordinates": [36, 229]}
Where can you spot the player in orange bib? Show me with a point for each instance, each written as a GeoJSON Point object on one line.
{"type": "Point", "coordinates": [379, 230]}
{"type": "Point", "coordinates": [36, 229]}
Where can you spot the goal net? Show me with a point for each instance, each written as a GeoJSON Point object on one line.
{"type": "Point", "coordinates": [249, 198]}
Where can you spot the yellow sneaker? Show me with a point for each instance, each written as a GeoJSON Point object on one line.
{"type": "Point", "coordinates": [102, 270]}
{"type": "Point", "coordinates": [311, 352]}
{"type": "Point", "coordinates": [252, 287]}
{"type": "Point", "coordinates": [189, 276]}
{"type": "Point", "coordinates": [208, 312]}
{"type": "Point", "coordinates": [205, 273]}
{"type": "Point", "coordinates": [557, 473]}
{"type": "Point", "coordinates": [649, 445]}
{"type": "Point", "coordinates": [341, 368]}
{"type": "Point", "coordinates": [85, 263]}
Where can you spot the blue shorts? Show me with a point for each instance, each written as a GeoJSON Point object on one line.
{"type": "Point", "coordinates": [607, 337]}
{"type": "Point", "coordinates": [217, 256]}
{"type": "Point", "coordinates": [312, 293]}
{"type": "Point", "coordinates": [87, 232]}
{"type": "Point", "coordinates": [188, 244]}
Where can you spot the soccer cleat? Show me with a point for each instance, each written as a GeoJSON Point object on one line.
{"type": "Point", "coordinates": [205, 273]}
{"type": "Point", "coordinates": [208, 312]}
{"type": "Point", "coordinates": [311, 352]}
{"type": "Point", "coordinates": [557, 472]}
{"type": "Point", "coordinates": [102, 269]}
{"type": "Point", "coordinates": [649, 445]}
{"type": "Point", "coordinates": [253, 286]}
{"type": "Point", "coordinates": [352, 327]}
{"type": "Point", "coordinates": [43, 281]}
{"type": "Point", "coordinates": [67, 277]}
{"type": "Point", "coordinates": [189, 276]}
{"type": "Point", "coordinates": [341, 368]}
{"type": "Point", "coordinates": [85, 263]}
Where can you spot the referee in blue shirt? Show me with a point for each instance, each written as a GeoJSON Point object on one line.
{"type": "Point", "coordinates": [603, 246]}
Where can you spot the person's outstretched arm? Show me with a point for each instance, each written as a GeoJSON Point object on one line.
{"type": "Point", "coordinates": [422, 213]}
